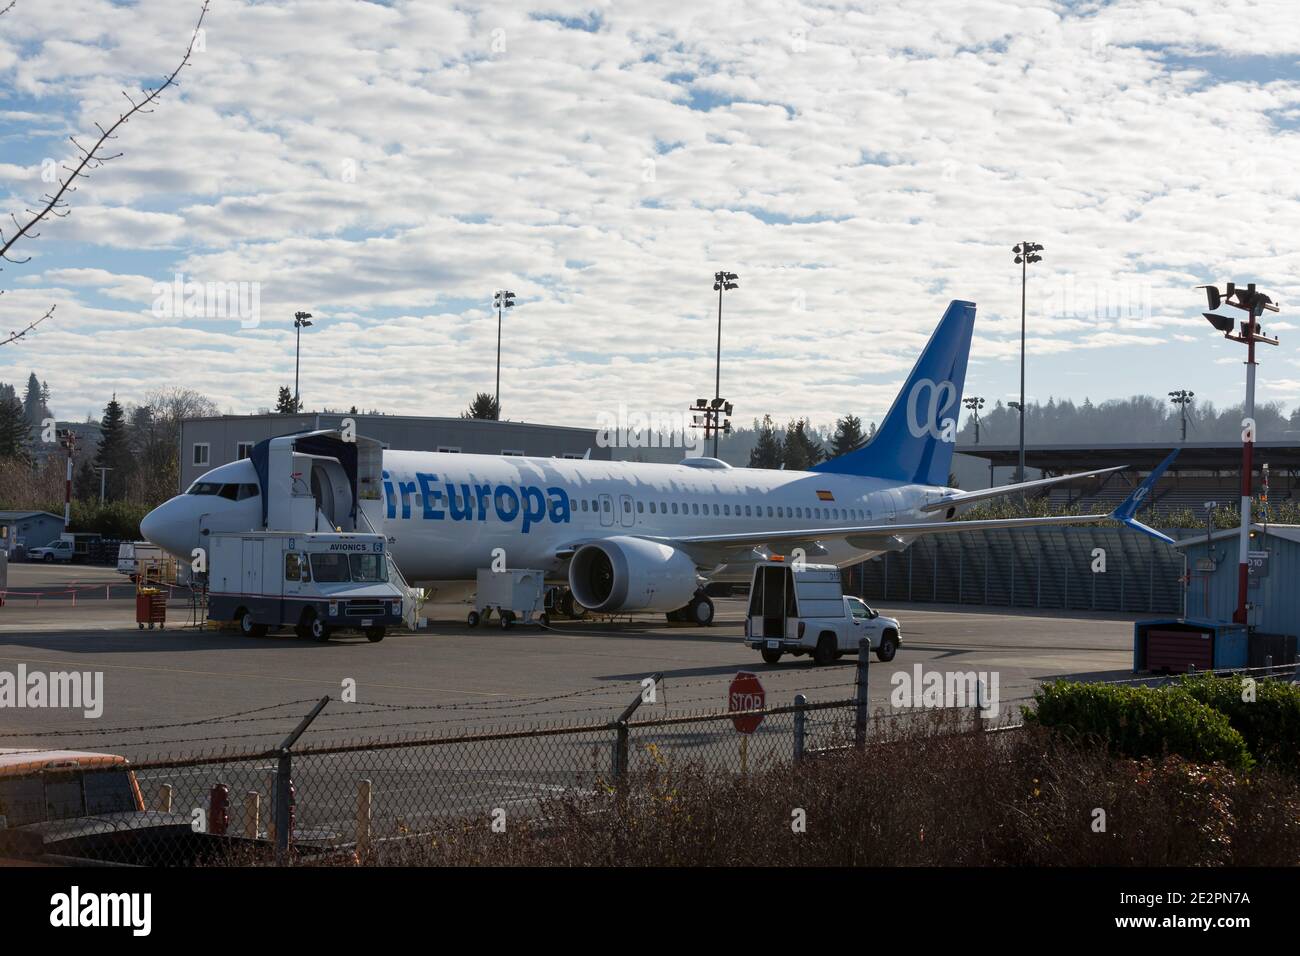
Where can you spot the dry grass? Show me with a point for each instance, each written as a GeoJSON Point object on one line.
{"type": "Point", "coordinates": [913, 798]}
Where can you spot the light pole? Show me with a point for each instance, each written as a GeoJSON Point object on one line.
{"type": "Point", "coordinates": [1182, 398]}
{"type": "Point", "coordinates": [714, 417]}
{"type": "Point", "coordinates": [1253, 304]}
{"type": "Point", "coordinates": [502, 300]}
{"type": "Point", "coordinates": [974, 403]}
{"type": "Point", "coordinates": [1026, 252]}
{"type": "Point", "coordinates": [722, 282]}
{"type": "Point", "coordinates": [301, 320]}
{"type": "Point", "coordinates": [68, 439]}
{"type": "Point", "coordinates": [103, 473]}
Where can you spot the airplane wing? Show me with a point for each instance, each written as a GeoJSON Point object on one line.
{"type": "Point", "coordinates": [970, 497]}
{"type": "Point", "coordinates": [887, 535]}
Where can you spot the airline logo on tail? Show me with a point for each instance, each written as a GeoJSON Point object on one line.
{"type": "Point", "coordinates": [942, 396]}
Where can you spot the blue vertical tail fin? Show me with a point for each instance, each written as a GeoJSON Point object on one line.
{"type": "Point", "coordinates": [915, 441]}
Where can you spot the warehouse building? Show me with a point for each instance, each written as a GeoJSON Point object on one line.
{"type": "Point", "coordinates": [28, 529]}
{"type": "Point", "coordinates": [209, 442]}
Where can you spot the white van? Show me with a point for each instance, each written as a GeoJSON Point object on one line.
{"type": "Point", "coordinates": [802, 609]}
{"type": "Point", "coordinates": [315, 582]}
{"type": "Point", "coordinates": [134, 557]}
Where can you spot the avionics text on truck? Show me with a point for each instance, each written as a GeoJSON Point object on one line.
{"type": "Point", "coordinates": [314, 582]}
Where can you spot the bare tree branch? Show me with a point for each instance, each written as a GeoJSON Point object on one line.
{"type": "Point", "coordinates": [8, 8]}
{"type": "Point", "coordinates": [15, 336]}
{"type": "Point", "coordinates": [92, 158]}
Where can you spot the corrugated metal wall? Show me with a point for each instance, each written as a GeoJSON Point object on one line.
{"type": "Point", "coordinates": [1029, 568]}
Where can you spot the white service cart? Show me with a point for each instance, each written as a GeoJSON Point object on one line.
{"type": "Point", "coordinates": [516, 595]}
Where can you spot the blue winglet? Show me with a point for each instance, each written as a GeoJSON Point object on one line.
{"type": "Point", "coordinates": [1124, 514]}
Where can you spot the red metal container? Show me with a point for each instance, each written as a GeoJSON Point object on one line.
{"type": "Point", "coordinates": [150, 609]}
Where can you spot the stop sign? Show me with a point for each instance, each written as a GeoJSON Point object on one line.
{"type": "Point", "coordinates": [746, 693]}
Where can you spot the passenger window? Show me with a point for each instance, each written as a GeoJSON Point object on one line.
{"type": "Point", "coordinates": [292, 568]}
{"type": "Point", "coordinates": [715, 509]}
{"type": "Point", "coordinates": [640, 507]}
{"type": "Point", "coordinates": [627, 506]}
{"type": "Point", "coordinates": [607, 504]}
{"type": "Point", "coordinates": [653, 510]}
{"type": "Point", "coordinates": [584, 504]}
{"type": "Point", "coordinates": [769, 511]}
{"type": "Point", "coordinates": [674, 507]}
{"type": "Point", "coordinates": [726, 509]}
{"type": "Point", "coordinates": [747, 514]}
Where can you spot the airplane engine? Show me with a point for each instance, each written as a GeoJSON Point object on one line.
{"type": "Point", "coordinates": [631, 574]}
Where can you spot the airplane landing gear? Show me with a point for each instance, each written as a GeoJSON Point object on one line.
{"type": "Point", "coordinates": [699, 612]}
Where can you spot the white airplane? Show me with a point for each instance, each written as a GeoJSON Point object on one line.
{"type": "Point", "coordinates": [630, 536]}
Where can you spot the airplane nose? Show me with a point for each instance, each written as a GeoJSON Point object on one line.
{"type": "Point", "coordinates": [163, 528]}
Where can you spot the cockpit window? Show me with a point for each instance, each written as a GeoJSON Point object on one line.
{"type": "Point", "coordinates": [227, 490]}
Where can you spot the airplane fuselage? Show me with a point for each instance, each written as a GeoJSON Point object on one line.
{"type": "Point", "coordinates": [446, 514]}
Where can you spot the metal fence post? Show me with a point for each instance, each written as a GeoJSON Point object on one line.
{"type": "Point", "coordinates": [620, 749]}
{"type": "Point", "coordinates": [621, 736]}
{"type": "Point", "coordinates": [284, 782]}
{"type": "Point", "coordinates": [860, 695]}
{"type": "Point", "coordinates": [283, 803]}
{"type": "Point", "coordinates": [800, 715]}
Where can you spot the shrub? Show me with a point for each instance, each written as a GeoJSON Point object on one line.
{"type": "Point", "coordinates": [1270, 724]}
{"type": "Point", "coordinates": [1027, 797]}
{"type": "Point", "coordinates": [1141, 721]}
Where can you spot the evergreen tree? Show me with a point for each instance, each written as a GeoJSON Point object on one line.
{"type": "Point", "coordinates": [33, 403]}
{"type": "Point", "coordinates": [768, 451]}
{"type": "Point", "coordinates": [114, 450]}
{"type": "Point", "coordinates": [848, 435]}
{"type": "Point", "coordinates": [802, 451]}
{"type": "Point", "coordinates": [484, 406]}
{"type": "Point", "coordinates": [85, 481]}
{"type": "Point", "coordinates": [15, 432]}
{"type": "Point", "coordinates": [285, 404]}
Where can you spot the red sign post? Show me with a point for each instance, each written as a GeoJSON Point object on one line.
{"type": "Point", "coordinates": [746, 693]}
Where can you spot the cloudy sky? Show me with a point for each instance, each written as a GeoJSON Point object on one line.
{"type": "Point", "coordinates": [386, 166]}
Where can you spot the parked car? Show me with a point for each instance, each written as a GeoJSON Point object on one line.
{"type": "Point", "coordinates": [80, 805]}
{"type": "Point", "coordinates": [54, 551]}
{"type": "Point", "coordinates": [802, 609]}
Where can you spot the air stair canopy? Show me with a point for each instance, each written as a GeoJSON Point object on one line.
{"type": "Point", "coordinates": [315, 481]}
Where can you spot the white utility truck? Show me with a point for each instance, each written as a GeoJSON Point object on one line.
{"type": "Point", "coordinates": [802, 609]}
{"type": "Point", "coordinates": [136, 559]}
{"type": "Point", "coordinates": [315, 582]}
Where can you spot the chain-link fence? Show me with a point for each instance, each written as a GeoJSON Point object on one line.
{"type": "Point", "coordinates": [356, 800]}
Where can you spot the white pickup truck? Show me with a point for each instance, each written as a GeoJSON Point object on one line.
{"type": "Point", "coordinates": [802, 609]}
{"type": "Point", "coordinates": [61, 550]}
